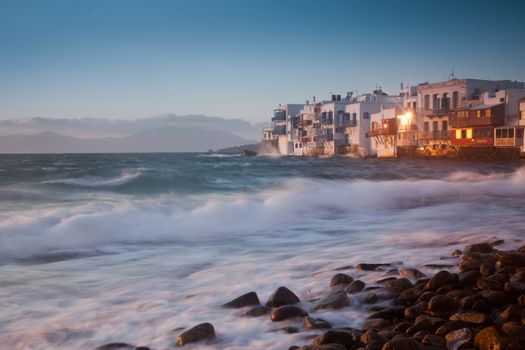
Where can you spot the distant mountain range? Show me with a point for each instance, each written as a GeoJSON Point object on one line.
{"type": "Point", "coordinates": [103, 127]}
{"type": "Point", "coordinates": [165, 139]}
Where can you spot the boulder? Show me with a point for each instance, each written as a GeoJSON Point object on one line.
{"type": "Point", "coordinates": [371, 267]}
{"type": "Point", "coordinates": [488, 339]}
{"type": "Point", "coordinates": [340, 278]}
{"type": "Point", "coordinates": [478, 248]}
{"type": "Point", "coordinates": [200, 332]}
{"type": "Point", "coordinates": [244, 300]}
{"type": "Point", "coordinates": [286, 312]}
{"type": "Point", "coordinates": [440, 279]}
{"type": "Point", "coordinates": [413, 274]}
{"type": "Point", "coordinates": [390, 313]}
{"type": "Point", "coordinates": [315, 323]}
{"type": "Point", "coordinates": [398, 285]}
{"type": "Point", "coordinates": [335, 300]}
{"type": "Point", "coordinates": [257, 311]}
{"type": "Point", "coordinates": [401, 342]}
{"type": "Point", "coordinates": [343, 338]}
{"type": "Point", "coordinates": [458, 338]}
{"type": "Point", "coordinates": [433, 341]}
{"type": "Point", "coordinates": [412, 312]}
{"type": "Point", "coordinates": [496, 298]}
{"type": "Point", "coordinates": [376, 324]}
{"type": "Point", "coordinates": [442, 306]}
{"type": "Point", "coordinates": [282, 296]}
{"type": "Point", "coordinates": [355, 287]}
{"type": "Point", "coordinates": [471, 317]}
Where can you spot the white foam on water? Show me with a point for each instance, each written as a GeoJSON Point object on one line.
{"type": "Point", "coordinates": [86, 181]}
{"type": "Point", "coordinates": [174, 265]}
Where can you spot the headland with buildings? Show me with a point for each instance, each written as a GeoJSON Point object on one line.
{"type": "Point", "coordinates": [457, 118]}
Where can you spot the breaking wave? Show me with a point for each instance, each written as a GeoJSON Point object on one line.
{"type": "Point", "coordinates": [312, 205]}
{"type": "Point", "coordinates": [92, 181]}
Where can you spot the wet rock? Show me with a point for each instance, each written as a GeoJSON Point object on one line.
{"type": "Point", "coordinates": [333, 346]}
{"type": "Point", "coordinates": [376, 324]}
{"type": "Point", "coordinates": [385, 294]}
{"type": "Point", "coordinates": [511, 313]}
{"type": "Point", "coordinates": [511, 259]}
{"type": "Point", "coordinates": [402, 327]}
{"type": "Point", "coordinates": [335, 300]}
{"type": "Point", "coordinates": [442, 306]}
{"type": "Point", "coordinates": [142, 348]}
{"type": "Point", "coordinates": [286, 312]}
{"type": "Point", "coordinates": [438, 266]}
{"type": "Point", "coordinates": [457, 338]}
{"type": "Point", "coordinates": [478, 248]}
{"type": "Point", "coordinates": [200, 332]}
{"type": "Point", "coordinates": [450, 326]}
{"type": "Point", "coordinates": [521, 300]}
{"type": "Point", "coordinates": [372, 267]}
{"type": "Point", "coordinates": [340, 278]}
{"type": "Point", "coordinates": [435, 322]}
{"type": "Point", "coordinates": [473, 261]}
{"type": "Point", "coordinates": [422, 325]}
{"type": "Point", "coordinates": [386, 279]}
{"type": "Point", "coordinates": [398, 285]}
{"type": "Point", "coordinates": [316, 323]}
{"type": "Point", "coordinates": [495, 298]}
{"type": "Point", "coordinates": [426, 296]}
{"type": "Point", "coordinates": [290, 330]}
{"type": "Point", "coordinates": [488, 339]}
{"type": "Point", "coordinates": [470, 317]}
{"type": "Point", "coordinates": [257, 311]}
{"type": "Point", "coordinates": [370, 298]}
{"type": "Point", "coordinates": [282, 296]}
{"type": "Point", "coordinates": [433, 340]}
{"type": "Point", "coordinates": [412, 312]}
{"type": "Point", "coordinates": [345, 267]}
{"type": "Point", "coordinates": [514, 287]}
{"type": "Point", "coordinates": [343, 338]}
{"type": "Point", "coordinates": [373, 339]}
{"type": "Point", "coordinates": [521, 249]}
{"type": "Point", "coordinates": [514, 329]}
{"type": "Point", "coordinates": [440, 279]}
{"type": "Point", "coordinates": [468, 278]}
{"type": "Point", "coordinates": [485, 283]}
{"type": "Point", "coordinates": [459, 293]}
{"type": "Point", "coordinates": [487, 269]}
{"type": "Point", "coordinates": [456, 253]}
{"type": "Point", "coordinates": [481, 305]}
{"type": "Point", "coordinates": [115, 346]}
{"type": "Point", "coordinates": [390, 313]}
{"type": "Point", "coordinates": [244, 300]}
{"type": "Point", "coordinates": [518, 276]}
{"type": "Point", "coordinates": [410, 294]}
{"type": "Point", "coordinates": [355, 287]}
{"type": "Point", "coordinates": [411, 273]}
{"type": "Point", "coordinates": [400, 342]}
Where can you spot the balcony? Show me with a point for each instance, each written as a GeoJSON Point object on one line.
{"type": "Point", "coordinates": [436, 112]}
{"type": "Point", "coordinates": [437, 134]}
{"type": "Point", "coordinates": [383, 131]}
{"type": "Point", "coordinates": [470, 121]}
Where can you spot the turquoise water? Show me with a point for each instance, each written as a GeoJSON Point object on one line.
{"type": "Point", "coordinates": [100, 248]}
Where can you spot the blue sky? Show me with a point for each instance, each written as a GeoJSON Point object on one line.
{"type": "Point", "coordinates": [239, 58]}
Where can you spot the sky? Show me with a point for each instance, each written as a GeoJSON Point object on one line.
{"type": "Point", "coordinates": [240, 58]}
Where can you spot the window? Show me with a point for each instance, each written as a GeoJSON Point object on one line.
{"type": "Point", "coordinates": [511, 133]}
{"type": "Point", "coordinates": [444, 101]}
{"type": "Point", "coordinates": [504, 133]}
{"type": "Point", "coordinates": [435, 101]}
{"type": "Point", "coordinates": [444, 125]}
{"type": "Point", "coordinates": [435, 126]}
{"type": "Point", "coordinates": [464, 134]}
{"type": "Point", "coordinates": [498, 133]}
{"type": "Point", "coordinates": [366, 115]}
{"type": "Point", "coordinates": [478, 113]}
{"type": "Point", "coordinates": [519, 133]}
{"type": "Point", "coordinates": [488, 112]}
{"type": "Point", "coordinates": [455, 99]}
{"type": "Point", "coordinates": [427, 102]}
{"type": "Point", "coordinates": [425, 126]}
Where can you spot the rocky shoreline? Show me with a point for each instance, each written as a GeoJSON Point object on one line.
{"type": "Point", "coordinates": [480, 307]}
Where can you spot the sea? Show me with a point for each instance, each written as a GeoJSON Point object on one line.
{"type": "Point", "coordinates": [135, 248]}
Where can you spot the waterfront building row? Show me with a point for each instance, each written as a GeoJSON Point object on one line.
{"type": "Point", "coordinates": [458, 117]}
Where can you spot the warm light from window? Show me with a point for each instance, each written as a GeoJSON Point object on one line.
{"type": "Point", "coordinates": [406, 119]}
